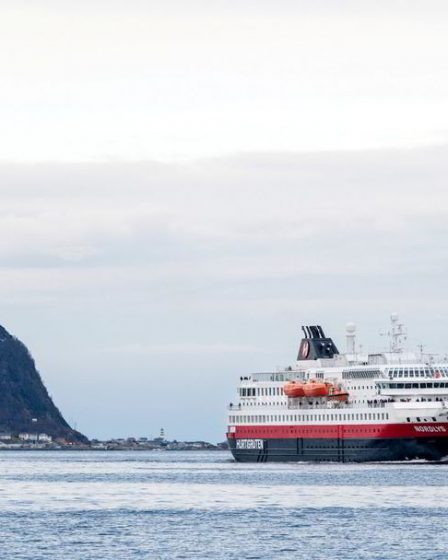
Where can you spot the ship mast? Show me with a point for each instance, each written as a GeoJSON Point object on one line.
{"type": "Point", "coordinates": [397, 334]}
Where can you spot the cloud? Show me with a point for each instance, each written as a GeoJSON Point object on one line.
{"type": "Point", "coordinates": [172, 81]}
{"type": "Point", "coordinates": [261, 214]}
{"type": "Point", "coordinates": [182, 349]}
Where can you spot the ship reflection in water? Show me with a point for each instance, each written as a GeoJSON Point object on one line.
{"type": "Point", "coordinates": [202, 505]}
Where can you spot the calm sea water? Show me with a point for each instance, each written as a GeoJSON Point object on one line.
{"type": "Point", "coordinates": [202, 505]}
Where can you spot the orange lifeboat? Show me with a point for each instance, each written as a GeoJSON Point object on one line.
{"type": "Point", "coordinates": [316, 389]}
{"type": "Point", "coordinates": [294, 389]}
{"type": "Point", "coordinates": [338, 394]}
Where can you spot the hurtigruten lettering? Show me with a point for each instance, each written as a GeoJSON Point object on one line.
{"type": "Point", "coordinates": [249, 444]}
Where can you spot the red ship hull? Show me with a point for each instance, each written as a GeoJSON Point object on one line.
{"type": "Point", "coordinates": [343, 443]}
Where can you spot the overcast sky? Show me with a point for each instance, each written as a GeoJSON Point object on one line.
{"type": "Point", "coordinates": [184, 183]}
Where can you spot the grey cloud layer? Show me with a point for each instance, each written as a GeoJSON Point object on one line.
{"type": "Point", "coordinates": [277, 214]}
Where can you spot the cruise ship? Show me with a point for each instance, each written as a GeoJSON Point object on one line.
{"type": "Point", "coordinates": [343, 407]}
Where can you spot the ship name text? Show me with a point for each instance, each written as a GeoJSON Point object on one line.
{"type": "Point", "coordinates": [249, 444]}
{"type": "Point", "coordinates": [430, 429]}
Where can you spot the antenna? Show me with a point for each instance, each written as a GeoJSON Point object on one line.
{"type": "Point", "coordinates": [421, 348]}
{"type": "Point", "coordinates": [350, 334]}
{"type": "Point", "coordinates": [397, 334]}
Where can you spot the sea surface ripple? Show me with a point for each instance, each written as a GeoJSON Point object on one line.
{"type": "Point", "coordinates": [202, 505]}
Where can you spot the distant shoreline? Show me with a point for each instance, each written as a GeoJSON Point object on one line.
{"type": "Point", "coordinates": [129, 444]}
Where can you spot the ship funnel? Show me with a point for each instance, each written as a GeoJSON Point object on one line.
{"type": "Point", "coordinates": [315, 344]}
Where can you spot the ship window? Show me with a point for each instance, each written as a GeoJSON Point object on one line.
{"type": "Point", "coordinates": [407, 385]}
{"type": "Point", "coordinates": [411, 374]}
{"type": "Point", "coordinates": [418, 419]}
{"type": "Point", "coordinates": [436, 385]}
{"type": "Point", "coordinates": [415, 385]}
{"type": "Point", "coordinates": [400, 374]}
